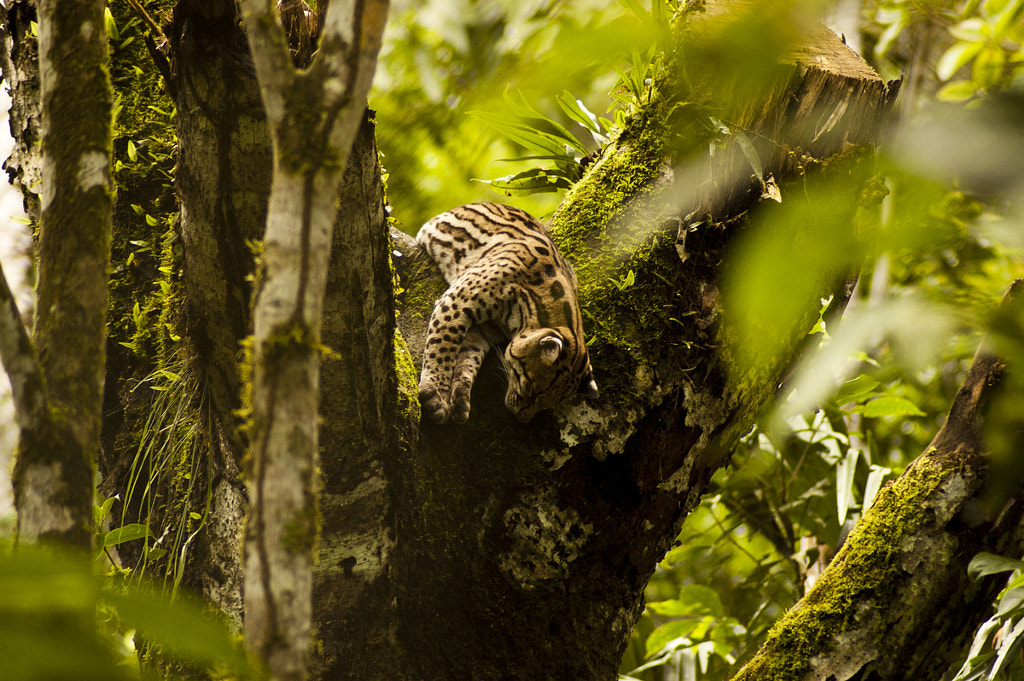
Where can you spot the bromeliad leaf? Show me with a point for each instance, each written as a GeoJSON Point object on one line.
{"type": "Point", "coordinates": [533, 181]}
{"type": "Point", "coordinates": [523, 134]}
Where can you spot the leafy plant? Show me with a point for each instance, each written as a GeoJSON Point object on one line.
{"type": "Point", "coordinates": [546, 140]}
{"type": "Point", "coordinates": [989, 40]}
{"type": "Point", "coordinates": [1000, 639]}
{"type": "Point", "coordinates": [169, 476]}
{"type": "Point", "coordinates": [54, 599]}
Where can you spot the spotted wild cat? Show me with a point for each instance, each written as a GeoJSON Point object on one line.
{"type": "Point", "coordinates": [504, 274]}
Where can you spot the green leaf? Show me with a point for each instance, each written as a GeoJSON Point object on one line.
{"type": "Point", "coordinates": [874, 483]}
{"type": "Point", "coordinates": [988, 67]}
{"type": "Point", "coordinates": [533, 181]}
{"type": "Point", "coordinates": [132, 152]}
{"type": "Point", "coordinates": [669, 634]}
{"type": "Point", "coordinates": [155, 553]}
{"type": "Point", "coordinates": [125, 533]}
{"type": "Point", "coordinates": [1010, 600]}
{"type": "Point", "coordinates": [954, 58]}
{"type": "Point", "coordinates": [693, 600]}
{"type": "Point", "coordinates": [520, 134]}
{"type": "Point", "coordinates": [100, 511]}
{"type": "Point", "coordinates": [110, 24]}
{"type": "Point", "coordinates": [855, 390]}
{"type": "Point", "coordinates": [990, 564]}
{"type": "Point", "coordinates": [575, 110]}
{"type": "Point", "coordinates": [636, 8]}
{"type": "Point", "coordinates": [181, 629]}
{"type": "Point", "coordinates": [889, 405]}
{"type": "Point", "coordinates": [1006, 647]}
{"type": "Point", "coordinates": [957, 91]}
{"type": "Point", "coordinates": [845, 471]}
{"type": "Point", "coordinates": [973, 30]}
{"type": "Point", "coordinates": [748, 150]}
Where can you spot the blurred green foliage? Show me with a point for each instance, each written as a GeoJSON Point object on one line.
{"type": "Point", "coordinates": [445, 58]}
{"type": "Point", "coordinates": [60, 620]}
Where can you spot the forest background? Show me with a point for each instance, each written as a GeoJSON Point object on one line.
{"type": "Point", "coordinates": [456, 79]}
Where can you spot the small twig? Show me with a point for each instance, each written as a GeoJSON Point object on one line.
{"type": "Point", "coordinates": [144, 15]}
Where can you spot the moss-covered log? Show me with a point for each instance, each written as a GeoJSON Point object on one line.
{"type": "Point", "coordinates": [897, 601]}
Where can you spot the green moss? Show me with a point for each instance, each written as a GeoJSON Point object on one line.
{"type": "Point", "coordinates": [867, 569]}
{"type": "Point", "coordinates": [407, 381]}
{"type": "Point", "coordinates": [145, 210]}
{"type": "Point", "coordinates": [617, 226]}
{"type": "Point", "coordinates": [291, 338]}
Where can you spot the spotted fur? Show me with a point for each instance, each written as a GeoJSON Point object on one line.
{"type": "Point", "coordinates": [504, 275]}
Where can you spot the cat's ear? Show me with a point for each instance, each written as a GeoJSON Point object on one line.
{"type": "Point", "coordinates": [550, 349]}
{"type": "Point", "coordinates": [588, 387]}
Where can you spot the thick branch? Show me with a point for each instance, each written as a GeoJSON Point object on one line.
{"type": "Point", "coordinates": [20, 362]}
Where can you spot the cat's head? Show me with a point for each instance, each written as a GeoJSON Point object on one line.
{"type": "Point", "coordinates": [544, 367]}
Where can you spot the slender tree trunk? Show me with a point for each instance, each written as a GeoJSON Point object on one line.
{"type": "Point", "coordinates": [314, 116]}
{"type": "Point", "coordinates": [54, 474]}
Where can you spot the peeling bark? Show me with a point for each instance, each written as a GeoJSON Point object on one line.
{"type": "Point", "coordinates": [21, 74]}
{"type": "Point", "coordinates": [897, 602]}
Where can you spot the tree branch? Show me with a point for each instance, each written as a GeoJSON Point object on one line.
{"type": "Point", "coordinates": [20, 362]}
{"type": "Point", "coordinates": [901, 577]}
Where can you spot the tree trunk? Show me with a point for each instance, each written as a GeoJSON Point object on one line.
{"type": "Point", "coordinates": [494, 549]}
{"type": "Point", "coordinates": [314, 116]}
{"type": "Point", "coordinates": [223, 179]}
{"type": "Point", "coordinates": [21, 73]}
{"type": "Point", "coordinates": [53, 478]}
{"type": "Point", "coordinates": [897, 602]}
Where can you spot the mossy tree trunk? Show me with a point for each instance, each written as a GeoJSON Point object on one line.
{"type": "Point", "coordinates": [60, 424]}
{"type": "Point", "coordinates": [223, 179]}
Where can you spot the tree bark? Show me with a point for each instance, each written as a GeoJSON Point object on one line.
{"type": "Point", "coordinates": [897, 602]}
{"type": "Point", "coordinates": [511, 550]}
{"type": "Point", "coordinates": [53, 478]}
{"type": "Point", "coordinates": [222, 179]}
{"type": "Point", "coordinates": [21, 73]}
{"type": "Point", "coordinates": [314, 116]}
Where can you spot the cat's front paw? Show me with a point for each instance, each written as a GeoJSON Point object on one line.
{"type": "Point", "coordinates": [433, 404]}
{"type": "Point", "coordinates": [460, 400]}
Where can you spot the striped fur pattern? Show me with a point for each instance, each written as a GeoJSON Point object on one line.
{"type": "Point", "coordinates": [504, 275]}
